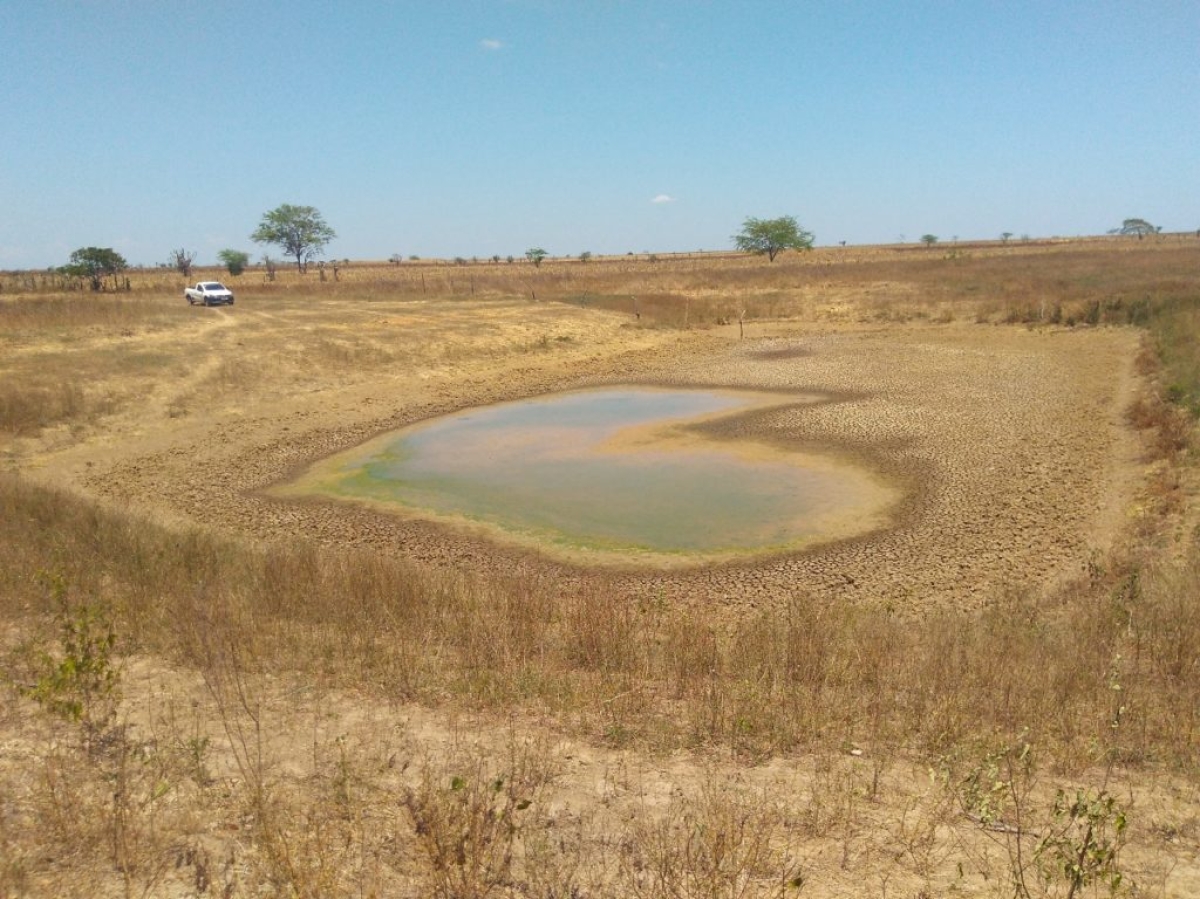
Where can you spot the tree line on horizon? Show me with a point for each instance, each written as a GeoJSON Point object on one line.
{"type": "Point", "coordinates": [302, 234]}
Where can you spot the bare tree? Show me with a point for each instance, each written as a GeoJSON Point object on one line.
{"type": "Point", "coordinates": [181, 260]}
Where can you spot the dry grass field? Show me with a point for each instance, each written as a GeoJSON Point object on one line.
{"type": "Point", "coordinates": [210, 691]}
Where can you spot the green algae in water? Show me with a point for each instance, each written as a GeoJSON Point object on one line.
{"type": "Point", "coordinates": [612, 470]}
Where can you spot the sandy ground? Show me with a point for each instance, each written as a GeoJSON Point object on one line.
{"type": "Point", "coordinates": [1008, 444]}
{"type": "Point", "coordinates": [851, 824]}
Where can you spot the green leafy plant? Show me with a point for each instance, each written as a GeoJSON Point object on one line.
{"type": "Point", "coordinates": [80, 682]}
{"type": "Point", "coordinates": [1083, 845]}
{"type": "Point", "coordinates": [1075, 846]}
{"type": "Point", "coordinates": [235, 261]}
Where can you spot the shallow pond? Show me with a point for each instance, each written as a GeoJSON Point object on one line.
{"type": "Point", "coordinates": [610, 475]}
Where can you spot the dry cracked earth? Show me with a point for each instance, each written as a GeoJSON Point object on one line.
{"type": "Point", "coordinates": [1009, 445]}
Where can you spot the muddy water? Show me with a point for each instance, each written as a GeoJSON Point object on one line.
{"type": "Point", "coordinates": [609, 475]}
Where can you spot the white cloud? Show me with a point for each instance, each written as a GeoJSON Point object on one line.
{"type": "Point", "coordinates": [663, 198]}
{"type": "Point", "coordinates": [490, 43]}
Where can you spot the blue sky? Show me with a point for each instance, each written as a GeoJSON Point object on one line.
{"type": "Point", "coordinates": [490, 126]}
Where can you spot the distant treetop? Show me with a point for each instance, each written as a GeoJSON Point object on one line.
{"type": "Point", "coordinates": [94, 264]}
{"type": "Point", "coordinates": [1140, 227]}
{"type": "Point", "coordinates": [299, 231]}
{"type": "Point", "coordinates": [769, 237]}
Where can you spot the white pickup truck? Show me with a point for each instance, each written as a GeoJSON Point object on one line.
{"type": "Point", "coordinates": [209, 293]}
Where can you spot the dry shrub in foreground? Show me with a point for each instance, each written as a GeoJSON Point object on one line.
{"type": "Point", "coordinates": [722, 842]}
{"type": "Point", "coordinates": [471, 815]}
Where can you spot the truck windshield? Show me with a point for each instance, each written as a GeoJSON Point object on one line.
{"type": "Point", "coordinates": [212, 285]}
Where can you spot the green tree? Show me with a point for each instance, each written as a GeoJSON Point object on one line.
{"type": "Point", "coordinates": [299, 231]}
{"type": "Point", "coordinates": [771, 236]}
{"type": "Point", "coordinates": [235, 261]}
{"type": "Point", "coordinates": [1140, 227]}
{"type": "Point", "coordinates": [536, 255]}
{"type": "Point", "coordinates": [929, 239]}
{"type": "Point", "coordinates": [95, 264]}
{"type": "Point", "coordinates": [1006, 236]}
